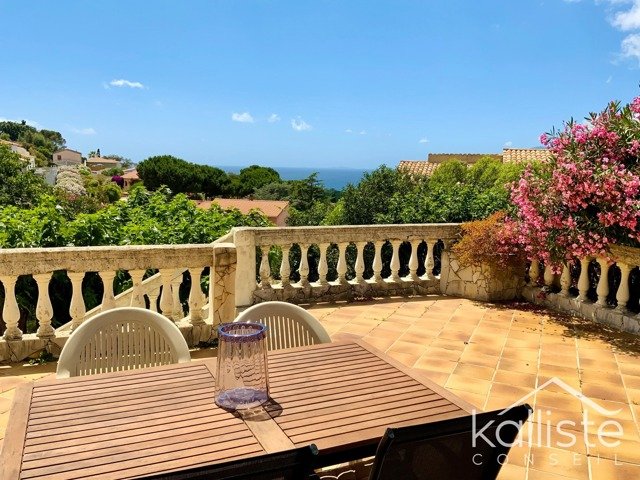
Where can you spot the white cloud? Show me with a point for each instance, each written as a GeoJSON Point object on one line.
{"type": "Point", "coordinates": [126, 83]}
{"type": "Point", "coordinates": [83, 131]}
{"type": "Point", "coordinates": [423, 140]}
{"type": "Point", "coordinates": [609, 79]}
{"type": "Point", "coordinates": [348, 130]}
{"type": "Point", "coordinates": [508, 144]}
{"type": "Point", "coordinates": [630, 47]}
{"type": "Point", "coordinates": [242, 117]}
{"type": "Point", "coordinates": [300, 125]}
{"type": "Point", "coordinates": [362, 132]}
{"type": "Point", "coordinates": [158, 103]}
{"type": "Point", "coordinates": [273, 118]}
{"type": "Point", "coordinates": [628, 20]}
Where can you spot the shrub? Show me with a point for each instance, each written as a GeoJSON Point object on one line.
{"type": "Point", "coordinates": [587, 195]}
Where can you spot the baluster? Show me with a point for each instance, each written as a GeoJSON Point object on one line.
{"type": "Point", "coordinates": [195, 297]}
{"type": "Point", "coordinates": [44, 310]}
{"type": "Point", "coordinates": [359, 266]}
{"type": "Point", "coordinates": [166, 297]}
{"type": "Point", "coordinates": [603, 282]}
{"type": "Point", "coordinates": [265, 268]}
{"type": "Point", "coordinates": [153, 299]}
{"type": "Point", "coordinates": [177, 313]}
{"type": "Point", "coordinates": [548, 276]}
{"type": "Point", "coordinates": [304, 265]}
{"type": "Point", "coordinates": [285, 266]}
{"type": "Point", "coordinates": [137, 295]}
{"type": "Point", "coordinates": [429, 263]}
{"type": "Point", "coordinates": [10, 310]}
{"type": "Point", "coordinates": [395, 260]}
{"type": "Point", "coordinates": [583, 281]}
{"type": "Point", "coordinates": [342, 263]}
{"type": "Point", "coordinates": [413, 260]}
{"type": "Point", "coordinates": [565, 280]}
{"type": "Point", "coordinates": [108, 298]}
{"type": "Point", "coordinates": [622, 295]}
{"type": "Point", "coordinates": [77, 309]}
{"type": "Point", "coordinates": [323, 268]}
{"type": "Point", "coordinates": [377, 261]}
{"type": "Point", "coordinates": [534, 272]}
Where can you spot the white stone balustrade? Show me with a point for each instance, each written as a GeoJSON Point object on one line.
{"type": "Point", "coordinates": [358, 275]}
{"type": "Point", "coordinates": [619, 315]}
{"type": "Point", "coordinates": [40, 263]}
{"type": "Point", "coordinates": [353, 262]}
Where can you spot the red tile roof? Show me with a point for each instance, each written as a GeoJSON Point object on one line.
{"type": "Point", "coordinates": [518, 155]}
{"type": "Point", "coordinates": [271, 208]}
{"type": "Point", "coordinates": [417, 167]}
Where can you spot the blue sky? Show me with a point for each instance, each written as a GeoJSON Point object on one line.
{"type": "Point", "coordinates": [319, 84]}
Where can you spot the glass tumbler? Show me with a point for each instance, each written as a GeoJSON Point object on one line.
{"type": "Point", "coordinates": [242, 377]}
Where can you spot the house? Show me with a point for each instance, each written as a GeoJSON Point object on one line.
{"type": "Point", "coordinates": [97, 164]}
{"type": "Point", "coordinates": [509, 155]}
{"type": "Point", "coordinates": [130, 177]}
{"type": "Point", "coordinates": [66, 156]}
{"type": "Point", "coordinates": [277, 211]}
{"type": "Point", "coordinates": [23, 152]}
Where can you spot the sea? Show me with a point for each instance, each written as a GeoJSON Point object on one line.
{"type": "Point", "coordinates": [336, 178]}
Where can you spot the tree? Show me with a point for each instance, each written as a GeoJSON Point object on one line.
{"type": "Point", "coordinates": [19, 186]}
{"type": "Point", "coordinates": [251, 179]}
{"type": "Point", "coordinates": [365, 202]}
{"type": "Point", "coordinates": [182, 176]}
{"type": "Point", "coordinates": [124, 161]}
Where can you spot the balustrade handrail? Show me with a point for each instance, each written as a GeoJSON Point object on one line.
{"type": "Point", "coordinates": [351, 233]}
{"type": "Point", "coordinates": [33, 261]}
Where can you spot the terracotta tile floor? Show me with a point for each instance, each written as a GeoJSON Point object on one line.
{"type": "Point", "coordinates": [492, 356]}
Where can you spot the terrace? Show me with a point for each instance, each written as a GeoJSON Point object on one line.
{"type": "Point", "coordinates": [401, 290]}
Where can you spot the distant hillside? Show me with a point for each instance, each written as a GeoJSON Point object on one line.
{"type": "Point", "coordinates": [40, 143]}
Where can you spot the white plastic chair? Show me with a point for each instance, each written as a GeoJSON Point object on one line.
{"type": "Point", "coordinates": [122, 339]}
{"type": "Point", "coordinates": [288, 325]}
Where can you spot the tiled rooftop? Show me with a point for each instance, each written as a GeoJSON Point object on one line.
{"type": "Point", "coordinates": [417, 167]}
{"type": "Point", "coordinates": [492, 356]}
{"type": "Point", "coordinates": [519, 155]}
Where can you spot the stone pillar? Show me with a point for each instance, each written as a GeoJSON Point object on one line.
{"type": "Point", "coordinates": [245, 273]}
{"type": "Point", "coordinates": [583, 281]}
{"type": "Point", "coordinates": [44, 309]}
{"type": "Point", "coordinates": [603, 282]}
{"type": "Point", "coordinates": [359, 266]}
{"type": "Point", "coordinates": [10, 310]}
{"type": "Point", "coordinates": [77, 309]}
{"type": "Point", "coordinates": [222, 283]}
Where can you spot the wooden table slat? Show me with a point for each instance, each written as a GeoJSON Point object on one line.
{"type": "Point", "coordinates": [103, 437]}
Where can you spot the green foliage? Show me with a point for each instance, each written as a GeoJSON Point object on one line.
{"type": "Point", "coordinates": [274, 191]}
{"type": "Point", "coordinates": [182, 176]}
{"type": "Point", "coordinates": [251, 179]}
{"type": "Point", "coordinates": [147, 218]}
{"type": "Point", "coordinates": [18, 186]}
{"type": "Point", "coordinates": [370, 200]}
{"type": "Point", "coordinates": [454, 193]}
{"type": "Point", "coordinates": [110, 172]}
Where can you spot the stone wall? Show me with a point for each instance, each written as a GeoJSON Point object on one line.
{"type": "Point", "coordinates": [478, 282]}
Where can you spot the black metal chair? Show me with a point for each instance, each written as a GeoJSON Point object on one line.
{"type": "Point", "coordinates": [472, 447]}
{"type": "Point", "coordinates": [291, 465]}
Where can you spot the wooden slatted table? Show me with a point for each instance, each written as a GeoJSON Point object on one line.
{"type": "Point", "coordinates": [340, 396]}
